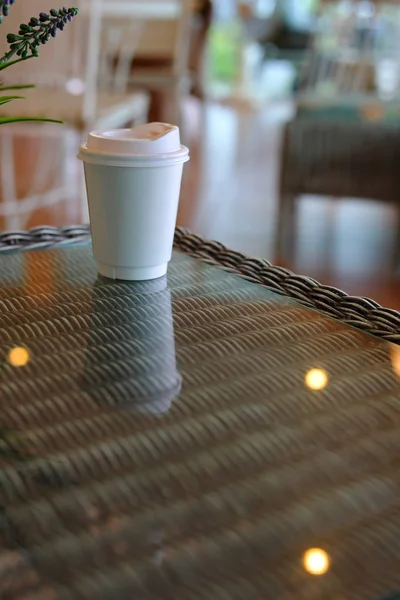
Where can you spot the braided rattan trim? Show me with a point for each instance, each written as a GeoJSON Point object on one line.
{"type": "Point", "coordinates": [362, 313]}
{"type": "Point", "coordinates": [42, 237]}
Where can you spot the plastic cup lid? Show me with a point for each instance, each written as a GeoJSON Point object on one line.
{"type": "Point", "coordinates": [152, 144]}
{"type": "Point", "coordinates": [149, 139]}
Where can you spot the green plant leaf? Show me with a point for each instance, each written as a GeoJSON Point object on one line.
{"type": "Point", "coordinates": [4, 120]}
{"type": "Point", "coordinates": [9, 63]}
{"type": "Point", "coordinates": [6, 99]}
{"type": "Point", "coordinates": [6, 88]}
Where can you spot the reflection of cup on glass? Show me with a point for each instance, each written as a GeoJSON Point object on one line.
{"type": "Point", "coordinates": [133, 180]}
{"type": "Point", "coordinates": [134, 364]}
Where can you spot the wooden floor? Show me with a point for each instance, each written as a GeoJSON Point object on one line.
{"type": "Point", "coordinates": [230, 193]}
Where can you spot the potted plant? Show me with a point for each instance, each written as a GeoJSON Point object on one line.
{"type": "Point", "coordinates": [25, 45]}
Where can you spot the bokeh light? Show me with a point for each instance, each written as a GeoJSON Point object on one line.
{"type": "Point", "coordinates": [75, 87]}
{"type": "Point", "coordinates": [18, 357]}
{"type": "Point", "coordinates": [316, 379]}
{"type": "Point", "coordinates": [316, 561]}
{"type": "Point", "coordinates": [395, 355]}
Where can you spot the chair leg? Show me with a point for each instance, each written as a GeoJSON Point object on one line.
{"type": "Point", "coordinates": [396, 250]}
{"type": "Point", "coordinates": [84, 210]}
{"type": "Point", "coordinates": [176, 111]}
{"type": "Point", "coordinates": [286, 227]}
{"type": "Point", "coordinates": [180, 90]}
{"type": "Point", "coordinates": [9, 206]}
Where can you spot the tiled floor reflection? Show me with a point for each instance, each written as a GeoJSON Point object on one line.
{"type": "Point", "coordinates": [230, 193]}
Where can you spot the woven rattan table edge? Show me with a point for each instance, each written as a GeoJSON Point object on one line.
{"type": "Point", "coordinates": [362, 313]}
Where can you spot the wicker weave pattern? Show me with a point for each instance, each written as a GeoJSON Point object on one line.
{"type": "Point", "coordinates": [363, 313]}
{"type": "Point", "coordinates": [343, 159]}
{"type": "Point", "coordinates": [117, 483]}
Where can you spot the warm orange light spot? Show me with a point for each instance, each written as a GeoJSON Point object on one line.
{"type": "Point", "coordinates": [18, 357]}
{"type": "Point", "coordinates": [316, 561]}
{"type": "Point", "coordinates": [373, 113]}
{"type": "Point", "coordinates": [316, 379]}
{"type": "Point", "coordinates": [395, 353]}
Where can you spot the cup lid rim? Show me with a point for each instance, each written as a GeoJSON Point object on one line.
{"type": "Point", "coordinates": [103, 158]}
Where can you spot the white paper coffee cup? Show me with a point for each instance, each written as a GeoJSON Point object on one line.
{"type": "Point", "coordinates": [133, 181]}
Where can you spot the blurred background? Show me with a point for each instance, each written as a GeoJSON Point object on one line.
{"type": "Point", "coordinates": [291, 110]}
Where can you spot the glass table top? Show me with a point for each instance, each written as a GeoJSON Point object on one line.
{"type": "Point", "coordinates": [191, 438]}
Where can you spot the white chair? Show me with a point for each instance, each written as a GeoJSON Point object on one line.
{"type": "Point", "coordinates": [341, 57]}
{"type": "Point", "coordinates": [160, 29]}
{"type": "Point", "coordinates": [66, 75]}
{"type": "Point", "coordinates": [354, 61]}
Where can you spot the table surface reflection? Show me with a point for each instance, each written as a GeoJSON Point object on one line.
{"type": "Point", "coordinates": [196, 438]}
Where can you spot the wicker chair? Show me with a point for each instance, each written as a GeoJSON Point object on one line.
{"type": "Point", "coordinates": [337, 159]}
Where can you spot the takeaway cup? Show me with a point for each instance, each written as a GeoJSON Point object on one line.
{"type": "Point", "coordinates": [133, 180]}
